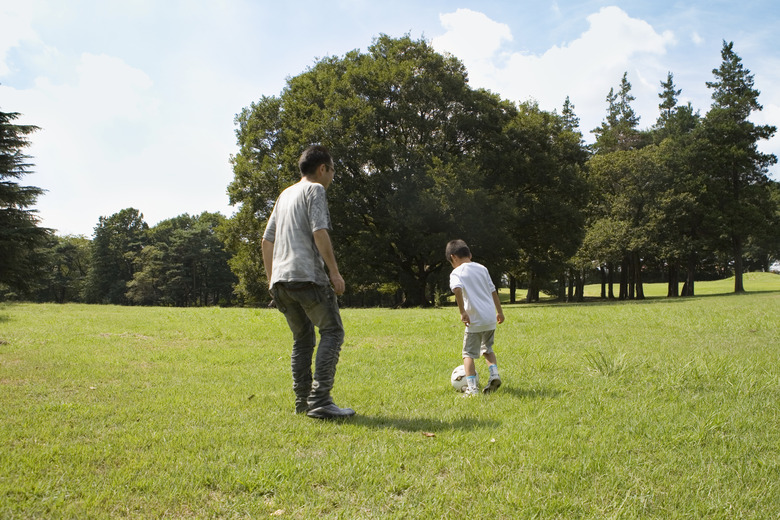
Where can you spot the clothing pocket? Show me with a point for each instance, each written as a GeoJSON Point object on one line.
{"type": "Point", "coordinates": [275, 295]}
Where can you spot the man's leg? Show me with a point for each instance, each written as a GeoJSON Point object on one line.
{"type": "Point", "coordinates": [304, 340]}
{"type": "Point", "coordinates": [323, 311]}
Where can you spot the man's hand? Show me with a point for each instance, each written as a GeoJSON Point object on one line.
{"type": "Point", "coordinates": [338, 283]}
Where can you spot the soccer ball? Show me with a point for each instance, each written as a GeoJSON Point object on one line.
{"type": "Point", "coordinates": [458, 379]}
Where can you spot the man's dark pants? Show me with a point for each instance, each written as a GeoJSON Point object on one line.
{"type": "Point", "coordinates": [306, 306]}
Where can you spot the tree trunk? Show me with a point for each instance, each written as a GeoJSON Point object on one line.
{"type": "Point", "coordinates": [603, 272]}
{"type": "Point", "coordinates": [625, 275]}
{"type": "Point", "coordinates": [570, 296]}
{"type": "Point", "coordinates": [622, 282]}
{"type": "Point", "coordinates": [611, 280]}
{"type": "Point", "coordinates": [738, 268]}
{"type": "Point", "coordinates": [688, 286]}
{"type": "Point", "coordinates": [580, 292]}
{"type": "Point", "coordinates": [637, 261]}
{"type": "Point", "coordinates": [673, 287]}
{"type": "Point", "coordinates": [562, 286]}
{"type": "Point", "coordinates": [532, 295]}
{"type": "Point", "coordinates": [512, 289]}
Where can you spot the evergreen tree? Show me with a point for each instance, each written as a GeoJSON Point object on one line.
{"type": "Point", "coordinates": [619, 129]}
{"type": "Point", "coordinates": [737, 169]}
{"type": "Point", "coordinates": [679, 213]}
{"type": "Point", "coordinates": [118, 241]}
{"type": "Point", "coordinates": [620, 175]}
{"type": "Point", "coordinates": [67, 264]}
{"type": "Point", "coordinates": [20, 234]}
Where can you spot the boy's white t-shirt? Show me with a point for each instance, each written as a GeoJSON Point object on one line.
{"type": "Point", "coordinates": [474, 280]}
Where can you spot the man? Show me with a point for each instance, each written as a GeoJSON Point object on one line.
{"type": "Point", "coordinates": [296, 248]}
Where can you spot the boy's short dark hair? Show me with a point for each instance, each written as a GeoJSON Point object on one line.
{"type": "Point", "coordinates": [457, 248]}
{"type": "Point", "coordinates": [312, 157]}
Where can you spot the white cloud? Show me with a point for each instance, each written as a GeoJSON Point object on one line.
{"type": "Point", "coordinates": [89, 129]}
{"type": "Point", "coordinates": [584, 69]}
{"type": "Point", "coordinates": [473, 38]}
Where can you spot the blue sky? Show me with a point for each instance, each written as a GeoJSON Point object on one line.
{"type": "Point", "coordinates": [136, 98]}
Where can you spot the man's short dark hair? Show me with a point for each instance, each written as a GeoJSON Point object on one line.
{"type": "Point", "coordinates": [312, 158]}
{"type": "Point", "coordinates": [457, 248]}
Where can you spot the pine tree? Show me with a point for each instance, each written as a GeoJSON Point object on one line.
{"type": "Point", "coordinates": [20, 234]}
{"type": "Point", "coordinates": [619, 129]}
{"type": "Point", "coordinates": [738, 171]}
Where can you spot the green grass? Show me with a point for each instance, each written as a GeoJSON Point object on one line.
{"type": "Point", "coordinates": [648, 409]}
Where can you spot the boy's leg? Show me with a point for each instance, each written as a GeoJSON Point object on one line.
{"type": "Point", "coordinates": [471, 376]}
{"type": "Point", "coordinates": [494, 381]}
{"type": "Point", "coordinates": [471, 344]}
{"type": "Point", "coordinates": [469, 366]}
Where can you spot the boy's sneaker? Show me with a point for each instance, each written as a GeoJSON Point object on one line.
{"type": "Point", "coordinates": [471, 392]}
{"type": "Point", "coordinates": [493, 383]}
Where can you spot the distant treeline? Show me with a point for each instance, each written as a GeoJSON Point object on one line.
{"type": "Point", "coordinates": [422, 158]}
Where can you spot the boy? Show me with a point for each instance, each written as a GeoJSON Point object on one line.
{"type": "Point", "coordinates": [480, 310]}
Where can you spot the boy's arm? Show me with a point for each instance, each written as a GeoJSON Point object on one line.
{"type": "Point", "coordinates": [464, 317]}
{"type": "Point", "coordinates": [499, 311]}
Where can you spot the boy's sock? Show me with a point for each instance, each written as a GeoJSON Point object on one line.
{"type": "Point", "coordinates": [472, 382]}
{"type": "Point", "coordinates": [493, 370]}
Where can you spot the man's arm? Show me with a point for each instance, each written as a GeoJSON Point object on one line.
{"type": "Point", "coordinates": [268, 258]}
{"type": "Point", "coordinates": [325, 247]}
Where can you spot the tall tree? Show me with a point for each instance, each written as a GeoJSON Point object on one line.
{"type": "Point", "coordinates": [737, 169]}
{"type": "Point", "coordinates": [67, 265]}
{"type": "Point", "coordinates": [413, 145]}
{"type": "Point", "coordinates": [679, 216]}
{"type": "Point", "coordinates": [117, 242]}
{"type": "Point", "coordinates": [20, 234]}
{"type": "Point", "coordinates": [183, 263]}
{"type": "Point", "coordinates": [619, 172]}
{"type": "Point", "coordinates": [544, 182]}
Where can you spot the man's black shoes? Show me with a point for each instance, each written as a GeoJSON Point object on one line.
{"type": "Point", "coordinates": [330, 411]}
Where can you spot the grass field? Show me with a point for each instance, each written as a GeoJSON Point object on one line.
{"type": "Point", "coordinates": [653, 409]}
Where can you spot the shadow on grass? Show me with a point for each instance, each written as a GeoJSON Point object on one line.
{"type": "Point", "coordinates": [530, 393]}
{"type": "Point", "coordinates": [421, 424]}
{"type": "Point", "coordinates": [433, 425]}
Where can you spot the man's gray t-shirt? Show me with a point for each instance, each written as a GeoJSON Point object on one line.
{"type": "Point", "coordinates": [300, 210]}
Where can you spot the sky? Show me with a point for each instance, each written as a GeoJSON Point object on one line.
{"type": "Point", "coordinates": [136, 99]}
